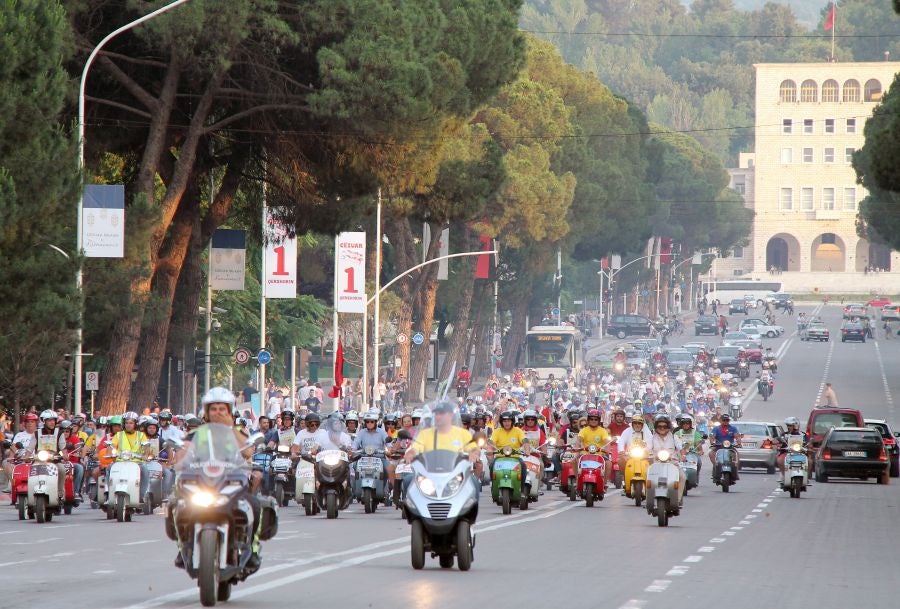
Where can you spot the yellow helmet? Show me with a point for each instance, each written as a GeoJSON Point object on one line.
{"type": "Point", "coordinates": [637, 418]}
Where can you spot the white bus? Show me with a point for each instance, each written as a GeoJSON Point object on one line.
{"type": "Point", "coordinates": [553, 349]}
{"type": "Point", "coordinates": [748, 289]}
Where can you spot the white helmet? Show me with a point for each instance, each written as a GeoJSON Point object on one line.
{"type": "Point", "coordinates": [352, 416]}
{"type": "Point", "coordinates": [371, 415]}
{"type": "Point", "coordinates": [478, 399]}
{"type": "Point", "coordinates": [219, 395]}
{"type": "Point", "coordinates": [49, 414]}
{"type": "Point", "coordinates": [792, 421]}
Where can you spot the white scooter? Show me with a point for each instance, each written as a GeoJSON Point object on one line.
{"type": "Point", "coordinates": [124, 487]}
{"type": "Point", "coordinates": [665, 488]}
{"type": "Point", "coordinates": [796, 473]}
{"type": "Point", "coordinates": [531, 486]}
{"type": "Point", "coordinates": [43, 485]}
{"type": "Point", "coordinates": [734, 403]}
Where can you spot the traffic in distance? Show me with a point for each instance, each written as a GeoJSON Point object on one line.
{"type": "Point", "coordinates": [664, 438]}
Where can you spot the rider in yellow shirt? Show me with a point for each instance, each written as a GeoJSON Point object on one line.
{"type": "Point", "coordinates": [507, 434]}
{"type": "Point", "coordinates": [594, 433]}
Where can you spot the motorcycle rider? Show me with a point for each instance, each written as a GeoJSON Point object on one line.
{"type": "Point", "coordinates": [218, 404]}
{"type": "Point", "coordinates": [639, 429]}
{"type": "Point", "coordinates": [285, 434]}
{"type": "Point", "coordinates": [618, 425]}
{"type": "Point", "coordinates": [690, 437]}
{"type": "Point", "coordinates": [722, 432]}
{"type": "Point", "coordinates": [663, 438]}
{"type": "Point", "coordinates": [155, 444]}
{"type": "Point", "coordinates": [131, 439]}
{"type": "Point", "coordinates": [74, 447]}
{"type": "Point", "coordinates": [507, 434]}
{"type": "Point", "coordinates": [167, 431]}
{"type": "Point", "coordinates": [352, 423]}
{"type": "Point", "coordinates": [792, 424]}
{"type": "Point", "coordinates": [371, 436]}
{"type": "Point", "coordinates": [533, 431]}
{"type": "Point", "coordinates": [25, 440]}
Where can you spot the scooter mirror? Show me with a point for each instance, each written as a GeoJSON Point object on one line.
{"type": "Point", "coordinates": [256, 439]}
{"type": "Point", "coordinates": [6, 444]}
{"type": "Point", "coordinates": [174, 443]}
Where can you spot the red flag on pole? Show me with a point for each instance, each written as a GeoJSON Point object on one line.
{"type": "Point", "coordinates": [829, 21]}
{"type": "Point", "coordinates": [483, 265]}
{"type": "Point", "coordinates": [338, 371]}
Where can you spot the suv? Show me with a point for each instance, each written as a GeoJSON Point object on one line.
{"type": "Point", "coordinates": [621, 326]}
{"type": "Point", "coordinates": [852, 452]}
{"type": "Point", "coordinates": [823, 419]}
{"type": "Point", "coordinates": [738, 305]}
{"type": "Point", "coordinates": [781, 300]}
{"type": "Point", "coordinates": [706, 324]}
{"type": "Point", "coordinates": [890, 443]}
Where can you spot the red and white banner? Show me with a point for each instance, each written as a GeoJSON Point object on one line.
{"type": "Point", "coordinates": [280, 276]}
{"type": "Point", "coordinates": [350, 282]}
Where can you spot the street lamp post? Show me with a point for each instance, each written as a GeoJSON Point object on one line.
{"type": "Point", "coordinates": [80, 221]}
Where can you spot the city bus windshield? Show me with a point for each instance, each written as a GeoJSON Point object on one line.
{"type": "Point", "coordinates": [548, 350]}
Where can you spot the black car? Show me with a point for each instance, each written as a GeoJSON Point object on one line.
{"type": "Point", "coordinates": [679, 360]}
{"type": "Point", "coordinates": [782, 301]}
{"type": "Point", "coordinates": [726, 357]}
{"type": "Point", "coordinates": [852, 329]}
{"type": "Point", "coordinates": [629, 325]}
{"type": "Point", "coordinates": [890, 443]}
{"type": "Point", "coordinates": [706, 324]}
{"type": "Point", "coordinates": [852, 452]}
{"type": "Point", "coordinates": [738, 305]}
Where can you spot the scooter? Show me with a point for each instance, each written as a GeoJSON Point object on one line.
{"type": "Point", "coordinates": [369, 484]}
{"type": "Point", "coordinates": [691, 467]}
{"type": "Point", "coordinates": [19, 486]}
{"type": "Point", "coordinates": [305, 486]}
{"type": "Point", "coordinates": [506, 479]}
{"type": "Point", "coordinates": [568, 482]}
{"type": "Point", "coordinates": [665, 488]}
{"type": "Point", "coordinates": [734, 403]}
{"type": "Point", "coordinates": [43, 485]}
{"type": "Point", "coordinates": [591, 475]}
{"type": "Point", "coordinates": [154, 496]}
{"type": "Point", "coordinates": [441, 506]}
{"type": "Point", "coordinates": [534, 473]}
{"type": "Point", "coordinates": [765, 388]}
{"type": "Point", "coordinates": [550, 468]}
{"type": "Point", "coordinates": [743, 369]}
{"type": "Point", "coordinates": [262, 462]}
{"type": "Point", "coordinates": [282, 466]}
{"type": "Point", "coordinates": [124, 487]}
{"type": "Point", "coordinates": [332, 486]}
{"type": "Point", "coordinates": [635, 478]}
{"type": "Point", "coordinates": [724, 469]}
{"type": "Point", "coordinates": [617, 475]}
{"type": "Point", "coordinates": [796, 463]}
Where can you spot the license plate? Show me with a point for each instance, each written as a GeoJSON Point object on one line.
{"type": "Point", "coordinates": [403, 468]}
{"type": "Point", "coordinates": [854, 453]}
{"type": "Point", "coordinates": [749, 444]}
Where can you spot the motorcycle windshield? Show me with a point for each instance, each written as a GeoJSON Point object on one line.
{"type": "Point", "coordinates": [213, 451]}
{"type": "Point", "coordinates": [441, 461]}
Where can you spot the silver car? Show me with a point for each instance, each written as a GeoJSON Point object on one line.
{"type": "Point", "coordinates": [758, 440]}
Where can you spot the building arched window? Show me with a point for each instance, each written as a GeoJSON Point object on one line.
{"type": "Point", "coordinates": [830, 91]}
{"type": "Point", "coordinates": [873, 91]}
{"type": "Point", "coordinates": [851, 91]}
{"type": "Point", "coordinates": [809, 91]}
{"type": "Point", "coordinates": [788, 91]}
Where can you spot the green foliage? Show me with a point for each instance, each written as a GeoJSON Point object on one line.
{"type": "Point", "coordinates": [38, 198]}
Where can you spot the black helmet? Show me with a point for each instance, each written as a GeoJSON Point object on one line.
{"type": "Point", "coordinates": [661, 418]}
{"type": "Point", "coordinates": [466, 418]}
{"type": "Point", "coordinates": [312, 417]}
{"type": "Point", "coordinates": [725, 417]}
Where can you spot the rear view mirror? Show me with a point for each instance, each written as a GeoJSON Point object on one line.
{"type": "Point", "coordinates": [897, 434]}
{"type": "Point", "coordinates": [256, 439]}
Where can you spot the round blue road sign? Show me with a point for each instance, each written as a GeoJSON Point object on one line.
{"type": "Point", "coordinates": [263, 357]}
{"type": "Point", "coordinates": [418, 338]}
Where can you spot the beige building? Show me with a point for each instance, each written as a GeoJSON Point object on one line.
{"type": "Point", "coordinates": [800, 181]}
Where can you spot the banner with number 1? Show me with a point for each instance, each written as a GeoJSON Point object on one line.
{"type": "Point", "coordinates": [280, 260]}
{"type": "Point", "coordinates": [350, 252]}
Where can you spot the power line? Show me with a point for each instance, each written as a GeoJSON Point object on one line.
{"type": "Point", "coordinates": [700, 35]}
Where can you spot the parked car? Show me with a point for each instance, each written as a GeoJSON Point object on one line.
{"type": "Point", "coordinates": [738, 305]}
{"type": "Point", "coordinates": [815, 330]}
{"type": "Point", "coordinates": [764, 328]}
{"type": "Point", "coordinates": [781, 300]}
{"type": "Point", "coordinates": [853, 329]}
{"type": "Point", "coordinates": [889, 437]}
{"type": "Point", "coordinates": [822, 419]}
{"type": "Point", "coordinates": [854, 309]}
{"type": "Point", "coordinates": [878, 301]}
{"type": "Point", "coordinates": [758, 448]}
{"type": "Point", "coordinates": [890, 312]}
{"type": "Point", "coordinates": [852, 452]}
{"type": "Point", "coordinates": [629, 325]}
{"type": "Point", "coordinates": [706, 324]}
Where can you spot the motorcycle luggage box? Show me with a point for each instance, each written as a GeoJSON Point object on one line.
{"type": "Point", "coordinates": [269, 517]}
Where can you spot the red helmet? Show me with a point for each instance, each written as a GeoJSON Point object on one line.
{"type": "Point", "coordinates": [30, 417]}
{"type": "Point", "coordinates": [593, 412]}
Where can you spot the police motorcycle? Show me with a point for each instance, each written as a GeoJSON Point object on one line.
{"type": "Point", "coordinates": [332, 467]}
{"type": "Point", "coordinates": [441, 503]}
{"type": "Point", "coordinates": [212, 514]}
{"type": "Point", "coordinates": [796, 472]}
{"type": "Point", "coordinates": [665, 487]}
{"type": "Point", "coordinates": [369, 484]}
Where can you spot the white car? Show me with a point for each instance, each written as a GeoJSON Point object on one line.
{"type": "Point", "coordinates": [731, 338]}
{"type": "Point", "coordinates": [763, 328]}
{"type": "Point", "coordinates": [752, 332]}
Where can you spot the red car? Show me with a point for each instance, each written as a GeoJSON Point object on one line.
{"type": "Point", "coordinates": [751, 350]}
{"type": "Point", "coordinates": [879, 301]}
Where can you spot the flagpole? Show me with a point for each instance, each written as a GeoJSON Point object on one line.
{"type": "Point", "coordinates": [833, 28]}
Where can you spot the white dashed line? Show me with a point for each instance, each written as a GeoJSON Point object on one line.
{"type": "Point", "coordinates": [737, 528]}
{"type": "Point", "coordinates": [678, 570]}
{"type": "Point", "coordinates": [744, 522]}
{"type": "Point", "coordinates": [717, 540]}
{"type": "Point", "coordinates": [825, 372]}
{"type": "Point", "coordinates": [633, 604]}
{"type": "Point", "coordinates": [728, 533]}
{"type": "Point", "coordinates": [658, 585]}
{"type": "Point", "coordinates": [706, 549]}
{"type": "Point", "coordinates": [757, 511]}
{"type": "Point", "coordinates": [887, 387]}
{"type": "Point", "coordinates": [693, 558]}
{"type": "Point", "coordinates": [750, 516]}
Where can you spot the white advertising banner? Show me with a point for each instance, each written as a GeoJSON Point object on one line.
{"type": "Point", "coordinates": [444, 250]}
{"type": "Point", "coordinates": [350, 252]}
{"type": "Point", "coordinates": [280, 278]}
{"type": "Point", "coordinates": [228, 259]}
{"type": "Point", "coordinates": [103, 221]}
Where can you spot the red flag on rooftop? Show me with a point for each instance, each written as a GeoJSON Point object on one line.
{"type": "Point", "coordinates": [829, 21]}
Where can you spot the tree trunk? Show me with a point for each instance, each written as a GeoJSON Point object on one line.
{"type": "Point", "coordinates": [459, 340]}
{"type": "Point", "coordinates": [425, 291]}
{"type": "Point", "coordinates": [513, 354]}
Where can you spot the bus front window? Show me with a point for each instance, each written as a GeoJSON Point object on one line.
{"type": "Point", "coordinates": [548, 351]}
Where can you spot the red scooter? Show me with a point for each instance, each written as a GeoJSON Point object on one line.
{"type": "Point", "coordinates": [19, 487]}
{"type": "Point", "coordinates": [567, 478]}
{"type": "Point", "coordinates": [591, 478]}
{"type": "Point", "coordinates": [616, 474]}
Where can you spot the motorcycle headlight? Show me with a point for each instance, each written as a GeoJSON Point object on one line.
{"type": "Point", "coordinates": [726, 444]}
{"type": "Point", "coordinates": [796, 446]}
{"type": "Point", "coordinates": [507, 451]}
{"type": "Point", "coordinates": [552, 441]}
{"type": "Point", "coordinates": [453, 486]}
{"type": "Point", "coordinates": [592, 448]}
{"type": "Point", "coordinates": [43, 455]}
{"type": "Point", "coordinates": [331, 460]}
{"type": "Point", "coordinates": [619, 366]}
{"type": "Point", "coordinates": [283, 448]}
{"type": "Point", "coordinates": [370, 450]}
{"type": "Point", "coordinates": [743, 364]}
{"type": "Point", "coordinates": [643, 365]}
{"type": "Point", "coordinates": [426, 485]}
{"type": "Point", "coordinates": [663, 455]}
{"type": "Point", "coordinates": [637, 452]}
{"type": "Point", "coordinates": [203, 498]}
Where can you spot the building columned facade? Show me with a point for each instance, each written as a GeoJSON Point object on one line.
{"type": "Point", "coordinates": [800, 181]}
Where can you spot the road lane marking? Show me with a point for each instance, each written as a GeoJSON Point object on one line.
{"type": "Point", "coordinates": [678, 570]}
{"type": "Point", "coordinates": [10, 532]}
{"type": "Point", "coordinates": [634, 603]}
{"type": "Point", "coordinates": [757, 511]}
{"type": "Point", "coordinates": [884, 381]}
{"type": "Point", "coordinates": [658, 585]}
{"type": "Point", "coordinates": [138, 543]}
{"type": "Point", "coordinates": [825, 373]}
{"type": "Point", "coordinates": [693, 558]}
{"type": "Point", "coordinates": [717, 540]}
{"type": "Point", "coordinates": [744, 522]}
{"type": "Point", "coordinates": [728, 533]}
{"type": "Point", "coordinates": [706, 549]}
{"type": "Point", "coordinates": [737, 528]}
{"type": "Point", "coordinates": [33, 543]}
{"type": "Point", "coordinates": [103, 572]}
{"type": "Point", "coordinates": [191, 593]}
{"type": "Point", "coordinates": [749, 516]}
{"type": "Point", "coordinates": [18, 562]}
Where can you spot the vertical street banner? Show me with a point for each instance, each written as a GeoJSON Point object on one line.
{"type": "Point", "coordinates": [103, 225]}
{"type": "Point", "coordinates": [443, 265]}
{"type": "Point", "coordinates": [280, 278]}
{"type": "Point", "coordinates": [228, 259]}
{"type": "Point", "coordinates": [350, 283]}
{"type": "Point", "coordinates": [483, 264]}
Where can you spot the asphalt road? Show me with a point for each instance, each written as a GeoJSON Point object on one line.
{"type": "Point", "coordinates": [754, 547]}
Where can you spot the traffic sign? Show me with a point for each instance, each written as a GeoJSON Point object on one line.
{"type": "Point", "coordinates": [418, 338]}
{"type": "Point", "coordinates": [242, 356]}
{"type": "Point", "coordinates": [263, 357]}
{"type": "Point", "coordinates": [92, 381]}
{"type": "Point", "coordinates": [402, 338]}
{"type": "Point", "coordinates": [645, 292]}
{"type": "Point", "coordinates": [555, 312]}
